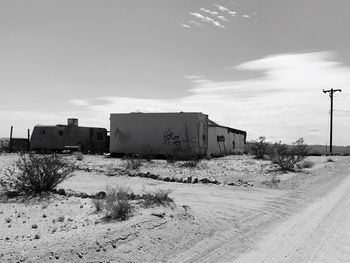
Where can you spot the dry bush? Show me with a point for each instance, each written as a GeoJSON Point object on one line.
{"type": "Point", "coordinates": [259, 148]}
{"type": "Point", "coordinates": [120, 210]}
{"type": "Point", "coordinates": [159, 197]}
{"type": "Point", "coordinates": [98, 204]}
{"type": "Point", "coordinates": [116, 193]}
{"type": "Point", "coordinates": [330, 160]}
{"type": "Point", "coordinates": [287, 157]}
{"type": "Point", "coordinates": [147, 153]}
{"type": "Point", "coordinates": [133, 163]}
{"type": "Point", "coordinates": [34, 173]}
{"type": "Point", "coordinates": [117, 203]}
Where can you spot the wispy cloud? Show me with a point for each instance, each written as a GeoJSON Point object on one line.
{"type": "Point", "coordinates": [207, 19]}
{"type": "Point", "coordinates": [232, 13]}
{"type": "Point", "coordinates": [286, 102]}
{"type": "Point", "coordinates": [213, 13]}
{"type": "Point", "coordinates": [220, 18]}
{"type": "Point", "coordinates": [185, 26]}
{"type": "Point", "coordinates": [222, 8]}
{"type": "Point", "coordinates": [195, 23]}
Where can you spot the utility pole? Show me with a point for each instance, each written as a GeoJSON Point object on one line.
{"type": "Point", "coordinates": [331, 91]}
{"type": "Point", "coordinates": [10, 143]}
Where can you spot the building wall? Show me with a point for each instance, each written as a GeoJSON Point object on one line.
{"type": "Point", "coordinates": [59, 136]}
{"type": "Point", "coordinates": [240, 143]}
{"type": "Point", "coordinates": [222, 141]}
{"type": "Point", "coordinates": [160, 133]}
{"type": "Point", "coordinates": [19, 145]}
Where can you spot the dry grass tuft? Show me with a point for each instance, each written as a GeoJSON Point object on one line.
{"type": "Point", "coordinates": [159, 197]}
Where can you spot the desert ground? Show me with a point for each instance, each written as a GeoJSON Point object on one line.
{"type": "Point", "coordinates": [249, 212]}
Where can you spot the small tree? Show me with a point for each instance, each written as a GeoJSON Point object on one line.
{"type": "Point", "coordinates": [34, 173]}
{"type": "Point", "coordinates": [286, 157]}
{"type": "Point", "coordinates": [260, 147]}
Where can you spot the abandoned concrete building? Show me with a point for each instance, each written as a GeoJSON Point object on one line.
{"type": "Point", "coordinates": [59, 137]}
{"type": "Point", "coordinates": [166, 133]}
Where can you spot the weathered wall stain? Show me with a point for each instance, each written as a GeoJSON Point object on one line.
{"type": "Point", "coordinates": [121, 137]}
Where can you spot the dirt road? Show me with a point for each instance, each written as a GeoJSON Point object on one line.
{"type": "Point", "coordinates": [308, 224]}
{"type": "Point", "coordinates": [321, 233]}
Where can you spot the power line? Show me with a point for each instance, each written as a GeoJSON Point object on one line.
{"type": "Point", "coordinates": [331, 91]}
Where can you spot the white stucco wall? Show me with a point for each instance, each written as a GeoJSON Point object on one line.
{"type": "Point", "coordinates": [160, 132]}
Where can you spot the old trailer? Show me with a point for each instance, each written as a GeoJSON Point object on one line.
{"type": "Point", "coordinates": [57, 138]}
{"type": "Point", "coordinates": [159, 133]}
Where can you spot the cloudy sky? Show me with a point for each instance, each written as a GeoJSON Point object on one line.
{"type": "Point", "coordinates": [255, 65]}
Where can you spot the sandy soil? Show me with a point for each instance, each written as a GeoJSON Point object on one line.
{"type": "Point", "coordinates": [210, 223]}
{"type": "Point", "coordinates": [320, 233]}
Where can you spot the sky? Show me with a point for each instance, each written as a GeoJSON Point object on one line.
{"type": "Point", "coordinates": [254, 65]}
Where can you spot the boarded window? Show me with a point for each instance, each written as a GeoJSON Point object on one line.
{"type": "Point", "coordinates": [60, 133]}
{"type": "Point", "coordinates": [220, 138]}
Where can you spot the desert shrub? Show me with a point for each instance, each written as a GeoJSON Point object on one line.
{"type": "Point", "coordinates": [133, 162]}
{"type": "Point", "coordinates": [330, 160]}
{"type": "Point", "coordinates": [286, 157]}
{"type": "Point", "coordinates": [191, 164]}
{"type": "Point", "coordinates": [117, 203]}
{"type": "Point", "coordinates": [98, 204]}
{"type": "Point", "coordinates": [120, 210]}
{"type": "Point", "coordinates": [147, 153]}
{"type": "Point", "coordinates": [114, 194]}
{"type": "Point", "coordinates": [259, 148]}
{"type": "Point", "coordinates": [34, 173]}
{"type": "Point", "coordinates": [60, 219]}
{"type": "Point", "coordinates": [79, 156]}
{"type": "Point", "coordinates": [159, 197]}
{"type": "Point", "coordinates": [307, 164]}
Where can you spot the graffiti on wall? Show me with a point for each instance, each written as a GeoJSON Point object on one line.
{"type": "Point", "coordinates": [170, 138]}
{"type": "Point", "coordinates": [121, 137]}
